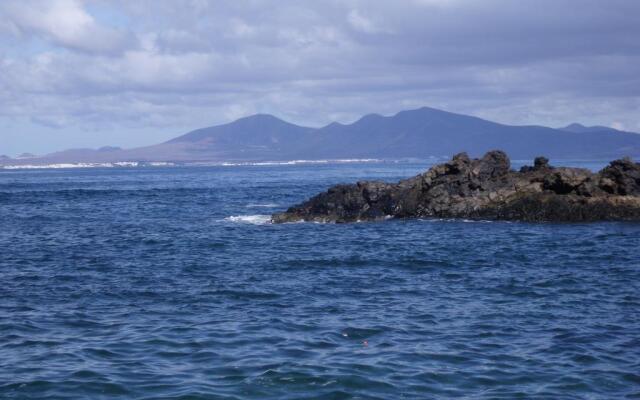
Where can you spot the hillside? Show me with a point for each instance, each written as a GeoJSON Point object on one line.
{"type": "Point", "coordinates": [417, 133]}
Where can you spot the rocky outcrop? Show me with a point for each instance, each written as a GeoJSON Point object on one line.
{"type": "Point", "coordinates": [485, 188]}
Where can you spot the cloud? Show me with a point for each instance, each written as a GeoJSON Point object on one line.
{"type": "Point", "coordinates": [618, 125]}
{"type": "Point", "coordinates": [64, 23]}
{"type": "Point", "coordinates": [101, 65]}
{"type": "Point", "coordinates": [361, 23]}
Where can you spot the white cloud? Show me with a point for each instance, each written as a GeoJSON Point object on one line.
{"type": "Point", "coordinates": [365, 24]}
{"type": "Point", "coordinates": [360, 22]}
{"type": "Point", "coordinates": [239, 28]}
{"type": "Point", "coordinates": [63, 22]}
{"type": "Point", "coordinates": [618, 125]}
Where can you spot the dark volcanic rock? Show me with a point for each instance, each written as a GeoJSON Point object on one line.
{"type": "Point", "coordinates": [621, 177]}
{"type": "Point", "coordinates": [484, 188]}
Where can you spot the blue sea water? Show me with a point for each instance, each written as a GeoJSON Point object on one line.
{"type": "Point", "coordinates": [166, 283]}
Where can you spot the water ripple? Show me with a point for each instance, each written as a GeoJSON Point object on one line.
{"type": "Point", "coordinates": [140, 285]}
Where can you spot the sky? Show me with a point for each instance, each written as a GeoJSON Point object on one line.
{"type": "Point", "coordinates": [92, 73]}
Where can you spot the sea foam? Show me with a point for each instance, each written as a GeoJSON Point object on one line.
{"type": "Point", "coordinates": [257, 219]}
{"type": "Point", "coordinates": [265, 205]}
{"type": "Point", "coordinates": [296, 162]}
{"type": "Point", "coordinates": [118, 164]}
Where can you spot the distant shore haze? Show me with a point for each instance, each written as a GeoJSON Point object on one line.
{"type": "Point", "coordinates": [419, 133]}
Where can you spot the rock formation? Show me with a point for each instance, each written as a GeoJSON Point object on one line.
{"type": "Point", "coordinates": [485, 188]}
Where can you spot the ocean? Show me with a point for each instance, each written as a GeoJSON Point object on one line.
{"type": "Point", "coordinates": [169, 283]}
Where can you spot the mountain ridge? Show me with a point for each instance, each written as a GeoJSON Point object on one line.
{"type": "Point", "coordinates": [418, 133]}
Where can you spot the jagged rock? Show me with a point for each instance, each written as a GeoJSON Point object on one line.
{"type": "Point", "coordinates": [621, 177]}
{"type": "Point", "coordinates": [565, 180]}
{"type": "Point", "coordinates": [484, 188]}
{"type": "Point", "coordinates": [539, 164]}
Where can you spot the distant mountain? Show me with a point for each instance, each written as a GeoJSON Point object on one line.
{"type": "Point", "coordinates": [258, 137]}
{"type": "Point", "coordinates": [26, 155]}
{"type": "Point", "coordinates": [579, 128]}
{"type": "Point", "coordinates": [109, 148]}
{"type": "Point", "coordinates": [417, 133]}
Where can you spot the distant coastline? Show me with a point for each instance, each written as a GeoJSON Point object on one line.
{"type": "Point", "coordinates": [143, 164]}
{"type": "Point", "coordinates": [598, 163]}
{"type": "Point", "coordinates": [419, 133]}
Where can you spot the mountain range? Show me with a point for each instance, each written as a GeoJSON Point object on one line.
{"type": "Point", "coordinates": [420, 133]}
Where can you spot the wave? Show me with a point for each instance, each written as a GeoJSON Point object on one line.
{"type": "Point", "coordinates": [459, 220]}
{"type": "Point", "coordinates": [295, 162]}
{"type": "Point", "coordinates": [22, 194]}
{"type": "Point", "coordinates": [89, 165]}
{"type": "Point", "coordinates": [170, 164]}
{"type": "Point", "coordinates": [265, 205]}
{"type": "Point", "coordinates": [133, 164]}
{"type": "Point", "coordinates": [257, 219]}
